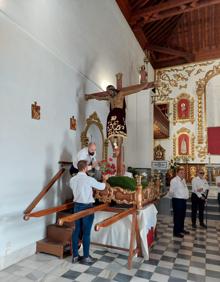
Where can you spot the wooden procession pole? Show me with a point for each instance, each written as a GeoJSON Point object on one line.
{"type": "Point", "coordinates": [120, 160]}
{"type": "Point", "coordinates": [78, 215]}
{"type": "Point", "coordinates": [109, 221]}
{"type": "Point", "coordinates": [48, 211]}
{"type": "Point", "coordinates": [132, 252]}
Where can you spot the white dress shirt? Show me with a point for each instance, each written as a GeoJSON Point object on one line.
{"type": "Point", "coordinates": [178, 188]}
{"type": "Point", "coordinates": [82, 185]}
{"type": "Point", "coordinates": [198, 183]}
{"type": "Point", "coordinates": [128, 174]}
{"type": "Point", "coordinates": [84, 155]}
{"type": "Point", "coordinates": [217, 179]}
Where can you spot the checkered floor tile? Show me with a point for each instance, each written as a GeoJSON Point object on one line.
{"type": "Point", "coordinates": [196, 257]}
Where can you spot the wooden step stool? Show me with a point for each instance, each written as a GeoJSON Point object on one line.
{"type": "Point", "coordinates": [57, 242]}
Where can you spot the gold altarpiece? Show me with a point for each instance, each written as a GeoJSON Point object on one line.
{"type": "Point", "coordinates": [93, 119]}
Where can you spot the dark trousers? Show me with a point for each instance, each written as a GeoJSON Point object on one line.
{"type": "Point", "coordinates": [179, 213]}
{"type": "Point", "coordinates": [82, 225]}
{"type": "Point", "coordinates": [197, 204]}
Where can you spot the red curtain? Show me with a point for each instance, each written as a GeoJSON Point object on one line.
{"type": "Point", "coordinates": [214, 140]}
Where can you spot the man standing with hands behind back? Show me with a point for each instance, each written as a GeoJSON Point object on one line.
{"type": "Point", "coordinates": [200, 190]}
{"type": "Point", "coordinates": [179, 193]}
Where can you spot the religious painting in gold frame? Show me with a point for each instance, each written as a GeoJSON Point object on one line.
{"type": "Point", "coordinates": [184, 144]}
{"type": "Point", "coordinates": [183, 109]}
{"type": "Point", "coordinates": [159, 153]}
{"type": "Point", "coordinates": [35, 111]}
{"type": "Point", "coordinates": [93, 119]}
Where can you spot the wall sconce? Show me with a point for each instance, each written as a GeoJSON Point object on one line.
{"type": "Point", "coordinates": [72, 123]}
{"type": "Point", "coordinates": [35, 111]}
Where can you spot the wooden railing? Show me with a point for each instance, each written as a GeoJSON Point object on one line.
{"type": "Point", "coordinates": [27, 212]}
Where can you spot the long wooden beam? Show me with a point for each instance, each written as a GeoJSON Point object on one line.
{"type": "Point", "coordinates": [44, 191]}
{"type": "Point", "coordinates": [187, 55]}
{"type": "Point", "coordinates": [139, 33]}
{"type": "Point", "coordinates": [125, 8]}
{"type": "Point", "coordinates": [114, 218]}
{"type": "Point", "coordinates": [81, 214]}
{"type": "Point", "coordinates": [169, 9]}
{"type": "Point", "coordinates": [48, 211]}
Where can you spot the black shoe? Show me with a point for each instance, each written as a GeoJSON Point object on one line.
{"type": "Point", "coordinates": [203, 225]}
{"type": "Point", "coordinates": [194, 226]}
{"type": "Point", "coordinates": [76, 259]}
{"type": "Point", "coordinates": [179, 235]}
{"type": "Point", "coordinates": [88, 260]}
{"type": "Point", "coordinates": [185, 232]}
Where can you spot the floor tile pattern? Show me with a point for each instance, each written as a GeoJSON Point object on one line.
{"type": "Point", "coordinates": [196, 257]}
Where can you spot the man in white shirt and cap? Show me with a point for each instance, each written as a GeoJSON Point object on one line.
{"type": "Point", "coordinates": [179, 193]}
{"type": "Point", "coordinates": [200, 190]}
{"type": "Point", "coordinates": [87, 153]}
{"type": "Point", "coordinates": [82, 186]}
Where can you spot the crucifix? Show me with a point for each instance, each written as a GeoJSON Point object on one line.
{"type": "Point", "coordinates": [116, 120]}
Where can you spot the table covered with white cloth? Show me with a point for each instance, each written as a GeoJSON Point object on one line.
{"type": "Point", "coordinates": [118, 234]}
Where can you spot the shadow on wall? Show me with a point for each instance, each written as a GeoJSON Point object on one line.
{"type": "Point", "coordinates": [79, 94]}
{"type": "Point", "coordinates": [64, 193]}
{"type": "Point", "coordinates": [49, 198]}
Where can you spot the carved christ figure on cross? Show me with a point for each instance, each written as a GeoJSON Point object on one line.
{"type": "Point", "coordinates": [116, 120]}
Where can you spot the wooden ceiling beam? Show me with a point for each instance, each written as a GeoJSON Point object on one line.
{"type": "Point", "coordinates": [125, 8]}
{"type": "Point", "coordinates": [165, 50]}
{"type": "Point", "coordinates": [139, 3]}
{"type": "Point", "coordinates": [138, 31]}
{"type": "Point", "coordinates": [165, 34]}
{"type": "Point", "coordinates": [211, 53]}
{"type": "Point", "coordinates": [169, 63]}
{"type": "Point", "coordinates": [169, 9]}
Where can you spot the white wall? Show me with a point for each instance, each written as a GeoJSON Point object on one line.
{"type": "Point", "coordinates": [53, 52]}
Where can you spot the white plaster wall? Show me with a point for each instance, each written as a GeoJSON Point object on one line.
{"type": "Point", "coordinates": [54, 52]}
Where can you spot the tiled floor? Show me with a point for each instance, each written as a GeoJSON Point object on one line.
{"type": "Point", "coordinates": [194, 258]}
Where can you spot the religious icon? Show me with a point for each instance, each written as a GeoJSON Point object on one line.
{"type": "Point", "coordinates": [183, 144]}
{"type": "Point", "coordinates": [119, 80]}
{"type": "Point", "coordinates": [159, 153]}
{"type": "Point", "coordinates": [192, 172]}
{"type": "Point", "coordinates": [35, 111]}
{"type": "Point", "coordinates": [72, 123]}
{"type": "Point", "coordinates": [143, 74]}
{"type": "Point", "coordinates": [183, 109]}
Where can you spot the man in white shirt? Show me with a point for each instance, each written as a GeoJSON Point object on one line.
{"type": "Point", "coordinates": [82, 186]}
{"type": "Point", "coordinates": [87, 153]}
{"type": "Point", "coordinates": [200, 190]}
{"type": "Point", "coordinates": [217, 179]}
{"type": "Point", "coordinates": [179, 193]}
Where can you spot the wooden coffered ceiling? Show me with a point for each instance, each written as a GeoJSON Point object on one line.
{"type": "Point", "coordinates": [175, 31]}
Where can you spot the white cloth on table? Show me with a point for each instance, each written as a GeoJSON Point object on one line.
{"type": "Point", "coordinates": [118, 234]}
